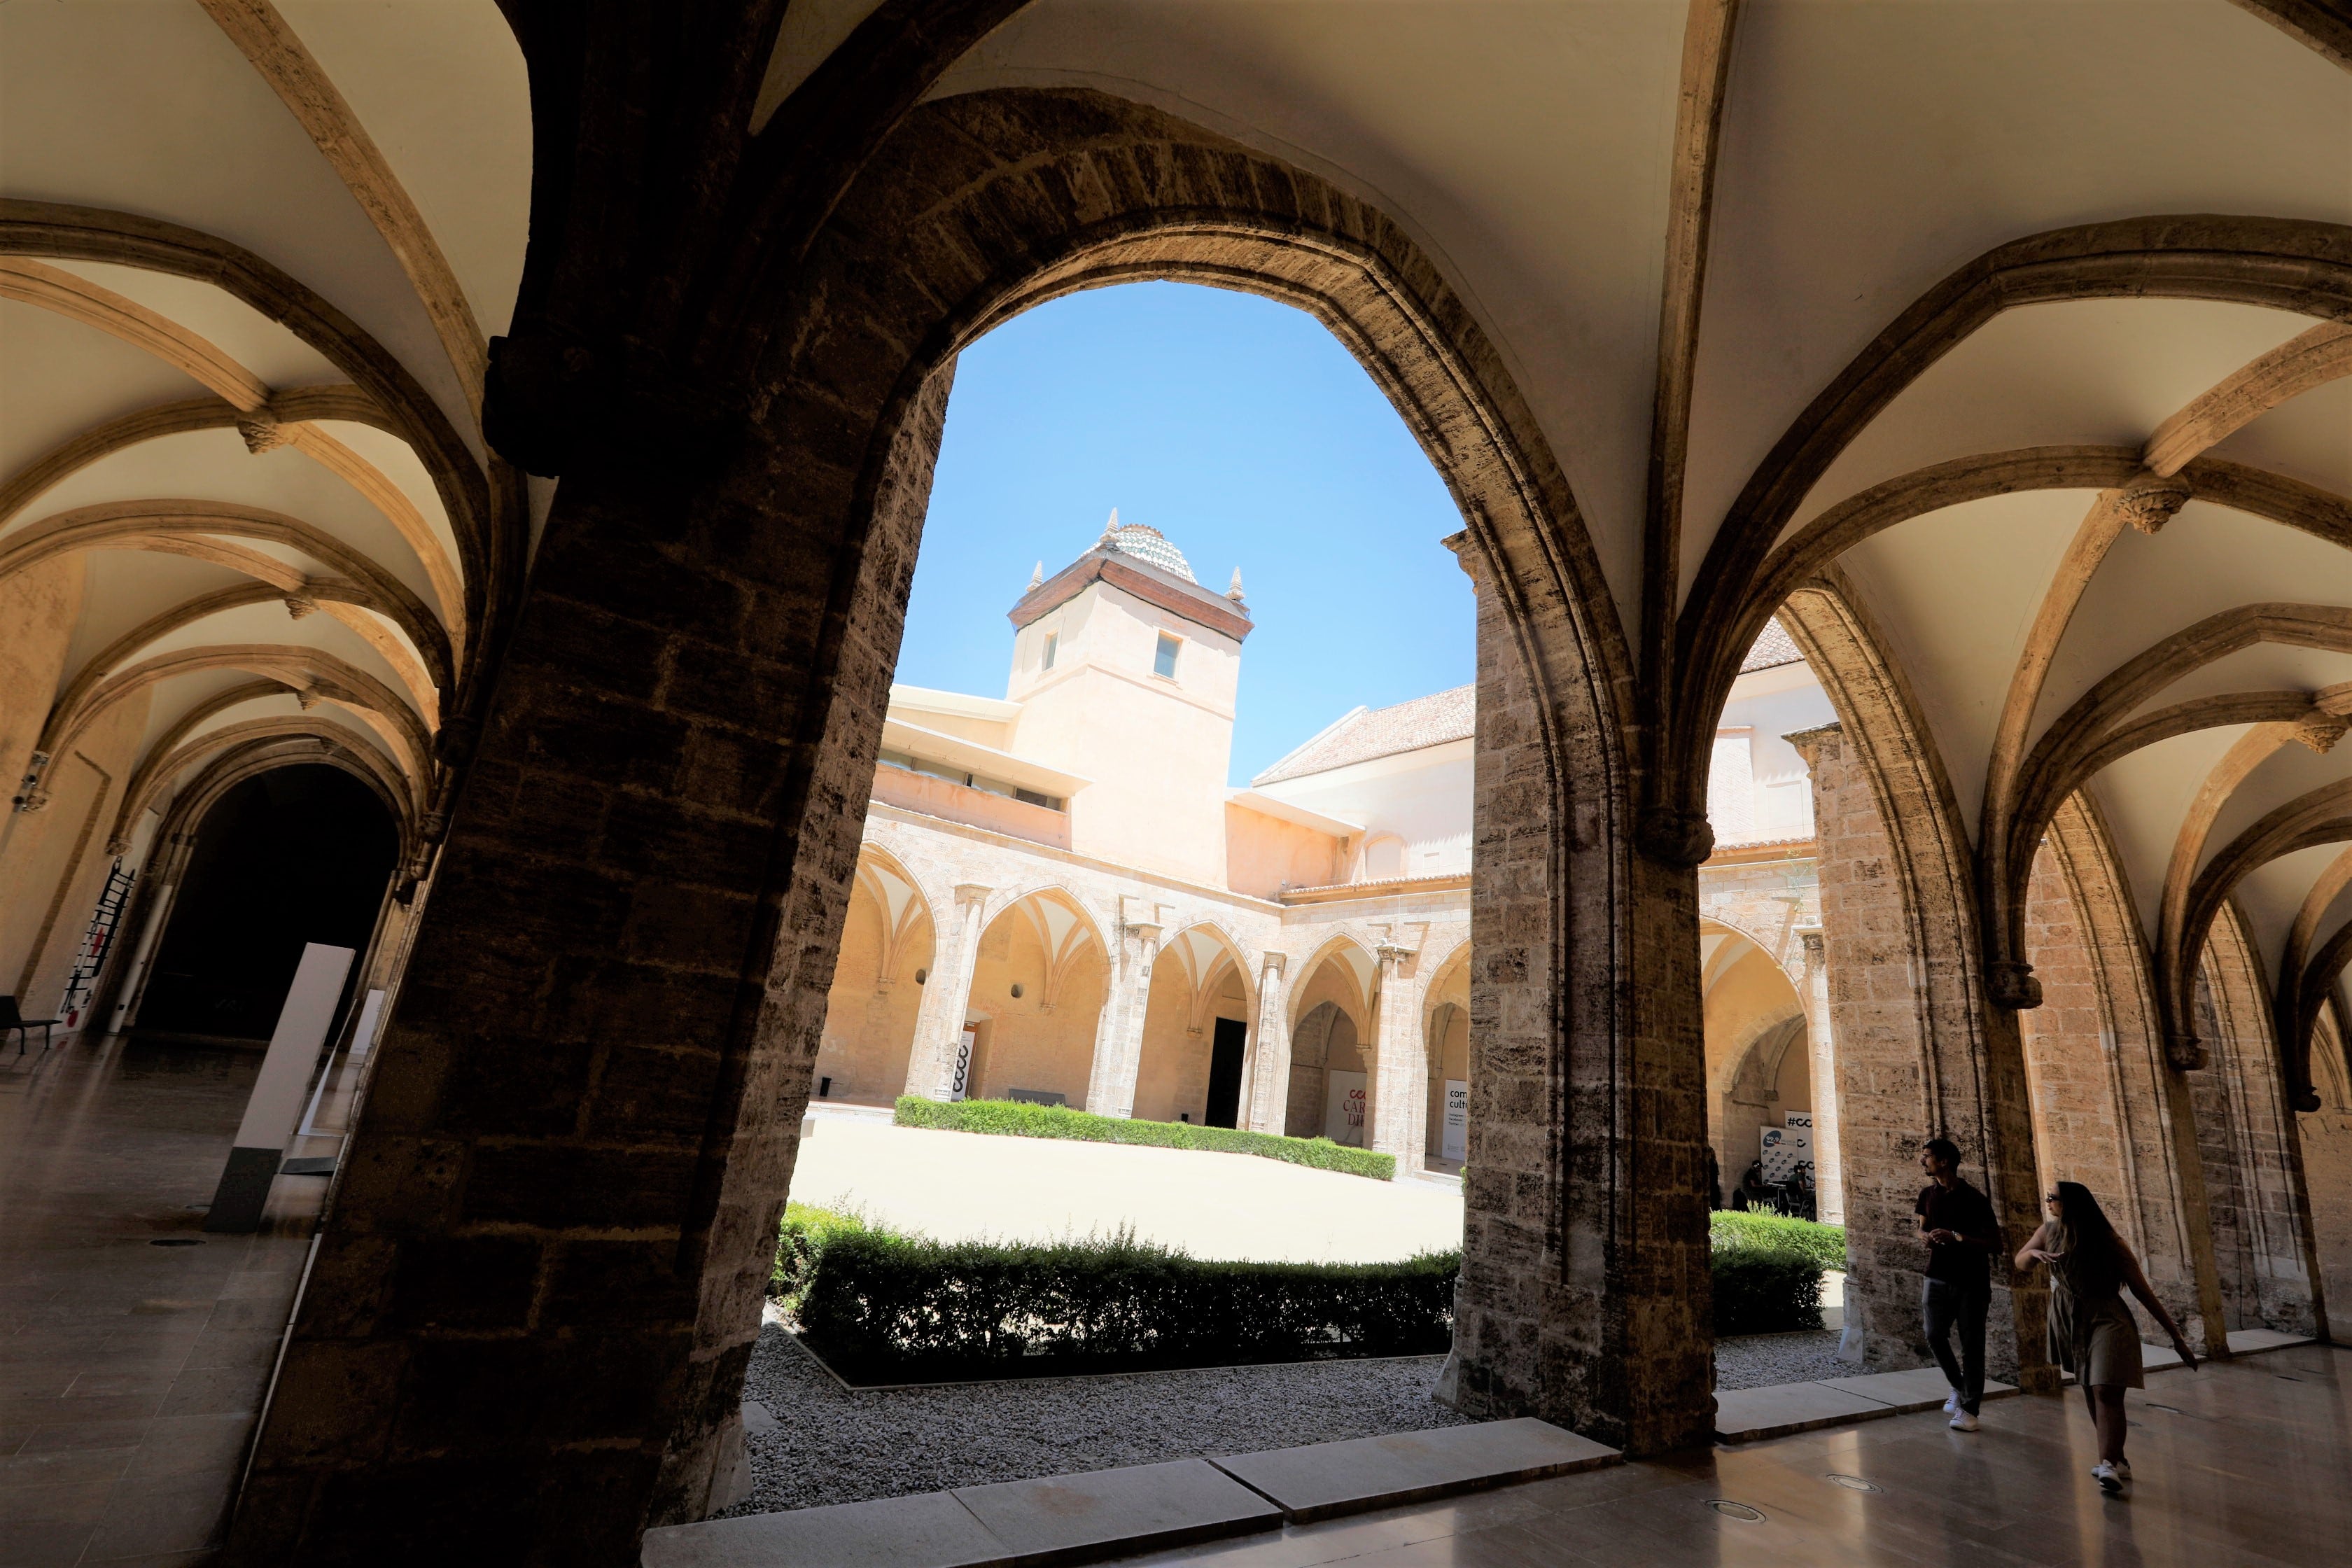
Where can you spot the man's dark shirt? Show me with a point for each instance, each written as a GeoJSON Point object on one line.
{"type": "Point", "coordinates": [1964, 1211]}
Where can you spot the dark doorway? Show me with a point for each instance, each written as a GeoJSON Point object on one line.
{"type": "Point", "coordinates": [298, 854]}
{"type": "Point", "coordinates": [1226, 1073]}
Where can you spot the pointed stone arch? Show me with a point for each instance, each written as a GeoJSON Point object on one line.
{"type": "Point", "coordinates": [1920, 1053]}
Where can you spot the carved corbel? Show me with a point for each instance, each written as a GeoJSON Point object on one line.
{"type": "Point", "coordinates": [2011, 985]}
{"type": "Point", "coordinates": [1672, 837]}
{"type": "Point", "coordinates": [2149, 500]}
{"type": "Point", "coordinates": [262, 431]}
{"type": "Point", "coordinates": [2320, 730]}
{"type": "Point", "coordinates": [2184, 1053]}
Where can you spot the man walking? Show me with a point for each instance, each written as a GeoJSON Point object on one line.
{"type": "Point", "coordinates": [1957, 1225]}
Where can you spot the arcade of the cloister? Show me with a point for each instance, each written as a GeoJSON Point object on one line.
{"type": "Point", "coordinates": [529, 417]}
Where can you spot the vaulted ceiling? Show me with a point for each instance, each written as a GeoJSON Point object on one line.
{"type": "Point", "coordinates": [247, 266]}
{"type": "Point", "coordinates": [1766, 271]}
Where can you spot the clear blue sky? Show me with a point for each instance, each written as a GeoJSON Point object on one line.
{"type": "Point", "coordinates": [1242, 430]}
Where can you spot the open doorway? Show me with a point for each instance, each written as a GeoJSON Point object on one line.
{"type": "Point", "coordinates": [293, 856]}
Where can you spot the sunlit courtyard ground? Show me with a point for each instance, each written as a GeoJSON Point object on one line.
{"type": "Point", "coordinates": [958, 1185]}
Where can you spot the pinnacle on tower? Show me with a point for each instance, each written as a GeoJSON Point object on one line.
{"type": "Point", "coordinates": [1235, 593]}
{"type": "Point", "coordinates": [1110, 530]}
{"type": "Point", "coordinates": [1037, 575]}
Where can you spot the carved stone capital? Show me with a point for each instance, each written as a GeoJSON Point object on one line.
{"type": "Point", "coordinates": [1274, 964]}
{"type": "Point", "coordinates": [1808, 742]}
{"type": "Point", "coordinates": [262, 433]}
{"type": "Point", "coordinates": [2148, 502]}
{"type": "Point", "coordinates": [2320, 730]}
{"type": "Point", "coordinates": [1674, 837]}
{"type": "Point", "coordinates": [2010, 984]}
{"type": "Point", "coordinates": [2184, 1053]}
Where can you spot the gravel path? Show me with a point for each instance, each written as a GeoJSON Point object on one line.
{"type": "Point", "coordinates": [1759, 1361]}
{"type": "Point", "coordinates": [832, 1445]}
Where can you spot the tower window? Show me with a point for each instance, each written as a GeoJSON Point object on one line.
{"type": "Point", "coordinates": [1164, 661]}
{"type": "Point", "coordinates": [1053, 641]}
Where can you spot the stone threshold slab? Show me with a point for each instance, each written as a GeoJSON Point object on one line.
{"type": "Point", "coordinates": [1324, 1480]}
{"type": "Point", "coordinates": [1919, 1388]}
{"type": "Point", "coordinates": [1041, 1523]}
{"type": "Point", "coordinates": [1751, 1415]}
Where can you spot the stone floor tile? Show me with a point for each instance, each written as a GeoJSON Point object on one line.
{"type": "Point", "coordinates": [189, 1445]}
{"type": "Point", "coordinates": [929, 1530]}
{"type": "Point", "coordinates": [1140, 1506]}
{"type": "Point", "coordinates": [145, 1519]}
{"type": "Point", "coordinates": [61, 1467]}
{"type": "Point", "coordinates": [217, 1391]}
{"type": "Point", "coordinates": [41, 1544]}
{"type": "Point", "coordinates": [1746, 1415]}
{"type": "Point", "coordinates": [1323, 1479]}
{"type": "Point", "coordinates": [1921, 1388]}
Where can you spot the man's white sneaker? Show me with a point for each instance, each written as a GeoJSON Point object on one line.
{"type": "Point", "coordinates": [1963, 1422]}
{"type": "Point", "coordinates": [2111, 1481]}
{"type": "Point", "coordinates": [1952, 1403]}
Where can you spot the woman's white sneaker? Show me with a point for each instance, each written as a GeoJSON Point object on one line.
{"type": "Point", "coordinates": [1963, 1422]}
{"type": "Point", "coordinates": [1952, 1403]}
{"type": "Point", "coordinates": [2111, 1480]}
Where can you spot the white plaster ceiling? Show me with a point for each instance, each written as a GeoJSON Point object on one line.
{"type": "Point", "coordinates": [1868, 148]}
{"type": "Point", "coordinates": [147, 107]}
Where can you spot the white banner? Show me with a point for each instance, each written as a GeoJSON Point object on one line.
{"type": "Point", "coordinates": [1343, 1108]}
{"type": "Point", "coordinates": [1455, 1142]}
{"type": "Point", "coordinates": [962, 1084]}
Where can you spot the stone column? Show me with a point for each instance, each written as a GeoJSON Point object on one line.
{"type": "Point", "coordinates": [1829, 1165]}
{"type": "Point", "coordinates": [1119, 1036]}
{"type": "Point", "coordinates": [938, 1023]}
{"type": "Point", "coordinates": [1400, 1075]}
{"type": "Point", "coordinates": [1269, 1084]}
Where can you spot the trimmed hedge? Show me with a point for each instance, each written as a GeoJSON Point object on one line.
{"type": "Point", "coordinates": [1017, 1118]}
{"type": "Point", "coordinates": [1824, 1244]}
{"type": "Point", "coordinates": [884, 1307]}
{"type": "Point", "coordinates": [798, 1240]}
{"type": "Point", "coordinates": [1768, 1271]}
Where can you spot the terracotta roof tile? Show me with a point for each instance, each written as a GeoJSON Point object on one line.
{"type": "Point", "coordinates": [1370, 732]}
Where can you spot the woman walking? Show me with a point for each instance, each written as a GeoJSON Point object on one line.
{"type": "Point", "coordinates": [2092, 1333]}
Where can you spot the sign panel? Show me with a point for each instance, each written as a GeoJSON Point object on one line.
{"type": "Point", "coordinates": [1786, 1148]}
{"type": "Point", "coordinates": [1455, 1140]}
{"type": "Point", "coordinates": [1343, 1108]}
{"type": "Point", "coordinates": [962, 1085]}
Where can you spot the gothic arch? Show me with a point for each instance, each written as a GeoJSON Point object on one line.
{"type": "Point", "coordinates": [1925, 1056]}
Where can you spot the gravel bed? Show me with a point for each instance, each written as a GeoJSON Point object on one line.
{"type": "Point", "coordinates": [831, 1446]}
{"type": "Point", "coordinates": [1759, 1361]}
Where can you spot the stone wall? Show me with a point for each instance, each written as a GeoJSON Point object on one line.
{"type": "Point", "coordinates": [2326, 1136]}
{"type": "Point", "coordinates": [1920, 1050]}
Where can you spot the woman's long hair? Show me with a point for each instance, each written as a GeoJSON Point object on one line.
{"type": "Point", "coordinates": [2085, 1221]}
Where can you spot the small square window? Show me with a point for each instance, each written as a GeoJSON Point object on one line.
{"type": "Point", "coordinates": [1164, 661]}
{"type": "Point", "coordinates": [1053, 641]}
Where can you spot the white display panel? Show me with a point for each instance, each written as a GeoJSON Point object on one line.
{"type": "Point", "coordinates": [1343, 1108]}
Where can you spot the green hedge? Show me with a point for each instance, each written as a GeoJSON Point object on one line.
{"type": "Point", "coordinates": [1768, 1271]}
{"type": "Point", "coordinates": [882, 1307]}
{"type": "Point", "coordinates": [1019, 1119]}
{"type": "Point", "coordinates": [1824, 1244]}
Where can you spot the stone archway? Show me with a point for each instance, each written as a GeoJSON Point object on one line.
{"type": "Point", "coordinates": [671, 836]}
{"type": "Point", "coordinates": [1919, 1053]}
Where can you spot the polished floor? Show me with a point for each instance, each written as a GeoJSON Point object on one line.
{"type": "Point", "coordinates": [2245, 1465]}
{"type": "Point", "coordinates": [130, 1372]}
